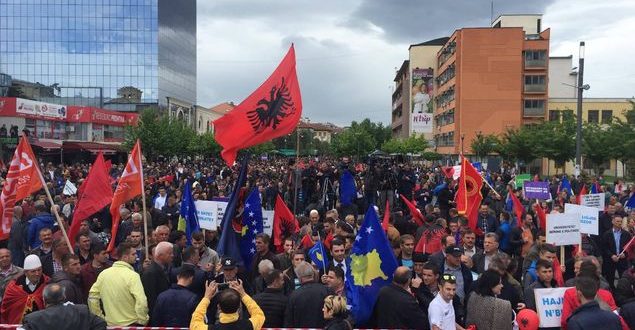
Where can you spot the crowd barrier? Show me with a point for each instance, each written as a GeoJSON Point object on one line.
{"type": "Point", "coordinates": [17, 326]}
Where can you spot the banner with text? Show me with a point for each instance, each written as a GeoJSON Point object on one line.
{"type": "Point", "coordinates": [549, 306]}
{"type": "Point", "coordinates": [210, 215]}
{"type": "Point", "coordinates": [563, 229]}
{"type": "Point", "coordinates": [589, 217]}
{"type": "Point", "coordinates": [537, 190]}
{"type": "Point", "coordinates": [593, 200]}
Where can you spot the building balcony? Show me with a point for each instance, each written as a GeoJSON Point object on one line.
{"type": "Point", "coordinates": [535, 88]}
{"type": "Point", "coordinates": [535, 64]}
{"type": "Point", "coordinates": [534, 112]}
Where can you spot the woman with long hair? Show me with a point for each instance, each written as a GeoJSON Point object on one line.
{"type": "Point", "coordinates": [484, 310]}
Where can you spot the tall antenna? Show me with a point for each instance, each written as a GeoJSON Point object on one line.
{"type": "Point", "coordinates": [491, 13]}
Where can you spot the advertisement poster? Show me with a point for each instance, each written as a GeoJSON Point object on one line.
{"type": "Point", "coordinates": [40, 109]}
{"type": "Point", "coordinates": [422, 90]}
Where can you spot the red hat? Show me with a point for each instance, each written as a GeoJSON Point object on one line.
{"type": "Point", "coordinates": [527, 319]}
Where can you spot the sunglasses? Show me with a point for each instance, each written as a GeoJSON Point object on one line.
{"type": "Point", "coordinates": [449, 278]}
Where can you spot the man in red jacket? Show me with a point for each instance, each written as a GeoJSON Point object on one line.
{"type": "Point", "coordinates": [24, 295]}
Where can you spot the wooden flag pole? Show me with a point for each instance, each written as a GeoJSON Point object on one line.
{"type": "Point", "coordinates": [490, 187]}
{"type": "Point", "coordinates": [562, 261]}
{"type": "Point", "coordinates": [53, 208]}
{"type": "Point", "coordinates": [143, 202]}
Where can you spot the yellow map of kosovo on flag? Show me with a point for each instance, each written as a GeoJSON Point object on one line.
{"type": "Point", "coordinates": [366, 267]}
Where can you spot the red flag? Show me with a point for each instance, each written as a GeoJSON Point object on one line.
{"type": "Point", "coordinates": [272, 110]}
{"type": "Point", "coordinates": [448, 171]}
{"type": "Point", "coordinates": [130, 186]}
{"type": "Point", "coordinates": [328, 241]}
{"type": "Point", "coordinates": [306, 242]}
{"type": "Point", "coordinates": [283, 222]}
{"type": "Point", "coordinates": [386, 222]}
{"type": "Point", "coordinates": [22, 180]}
{"type": "Point", "coordinates": [542, 216]}
{"type": "Point", "coordinates": [583, 191]}
{"type": "Point", "coordinates": [518, 208]}
{"type": "Point", "coordinates": [468, 194]}
{"type": "Point", "coordinates": [96, 193]}
{"type": "Point", "coordinates": [416, 214]}
{"type": "Point", "coordinates": [430, 241]}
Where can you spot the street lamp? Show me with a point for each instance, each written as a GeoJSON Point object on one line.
{"type": "Point", "coordinates": [462, 138]}
{"type": "Point", "coordinates": [578, 134]}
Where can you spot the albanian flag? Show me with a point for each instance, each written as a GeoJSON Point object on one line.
{"type": "Point", "coordinates": [272, 110]}
{"type": "Point", "coordinates": [468, 195]}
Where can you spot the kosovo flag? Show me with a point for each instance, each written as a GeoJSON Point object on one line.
{"type": "Point", "coordinates": [317, 255]}
{"type": "Point", "coordinates": [252, 225]}
{"type": "Point", "coordinates": [370, 267]}
{"type": "Point", "coordinates": [347, 188]}
{"type": "Point", "coordinates": [566, 186]}
{"type": "Point", "coordinates": [228, 242]}
{"type": "Point", "coordinates": [630, 203]}
{"type": "Point", "coordinates": [188, 213]}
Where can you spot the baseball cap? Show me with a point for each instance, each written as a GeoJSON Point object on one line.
{"type": "Point", "coordinates": [454, 250]}
{"type": "Point", "coordinates": [229, 263]}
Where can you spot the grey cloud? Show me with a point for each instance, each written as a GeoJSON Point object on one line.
{"type": "Point", "coordinates": [415, 20]}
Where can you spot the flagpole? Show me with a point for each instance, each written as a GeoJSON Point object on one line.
{"type": "Point", "coordinates": [53, 208]}
{"type": "Point", "coordinates": [143, 202]}
{"type": "Point", "coordinates": [490, 187]}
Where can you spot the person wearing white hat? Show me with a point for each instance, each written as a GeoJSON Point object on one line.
{"type": "Point", "coordinates": [24, 295]}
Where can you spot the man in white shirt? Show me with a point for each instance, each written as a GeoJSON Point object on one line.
{"type": "Point", "coordinates": [159, 202]}
{"type": "Point", "coordinates": [441, 310]}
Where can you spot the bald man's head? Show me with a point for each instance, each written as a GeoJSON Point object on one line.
{"type": "Point", "coordinates": [402, 276]}
{"type": "Point", "coordinates": [164, 253]}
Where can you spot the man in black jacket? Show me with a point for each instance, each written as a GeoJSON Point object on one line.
{"type": "Point", "coordinates": [174, 307]}
{"type": "Point", "coordinates": [69, 279]}
{"type": "Point", "coordinates": [272, 301]}
{"type": "Point", "coordinates": [589, 315]}
{"type": "Point", "coordinates": [396, 308]}
{"type": "Point", "coordinates": [305, 302]}
{"type": "Point", "coordinates": [190, 260]}
{"type": "Point", "coordinates": [58, 315]}
{"type": "Point", "coordinates": [155, 279]}
{"type": "Point", "coordinates": [613, 242]}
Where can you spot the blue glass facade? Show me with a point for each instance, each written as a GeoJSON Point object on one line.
{"type": "Point", "coordinates": [93, 48]}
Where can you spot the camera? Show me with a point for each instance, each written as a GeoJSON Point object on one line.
{"type": "Point", "coordinates": [223, 286]}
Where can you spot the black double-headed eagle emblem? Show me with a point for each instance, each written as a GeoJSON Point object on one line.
{"type": "Point", "coordinates": [271, 110]}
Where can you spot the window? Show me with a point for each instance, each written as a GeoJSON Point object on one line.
{"type": "Point", "coordinates": [607, 116]}
{"type": "Point", "coordinates": [593, 116]}
{"type": "Point", "coordinates": [535, 55]}
{"type": "Point", "coordinates": [534, 80]}
{"type": "Point", "coordinates": [535, 104]}
{"type": "Point", "coordinates": [554, 115]}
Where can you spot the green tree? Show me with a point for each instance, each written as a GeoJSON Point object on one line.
{"type": "Point", "coordinates": [392, 146]}
{"type": "Point", "coordinates": [596, 142]}
{"type": "Point", "coordinates": [353, 141]}
{"type": "Point", "coordinates": [152, 131]}
{"type": "Point", "coordinates": [518, 145]}
{"type": "Point", "coordinates": [484, 145]}
{"type": "Point", "coordinates": [556, 140]}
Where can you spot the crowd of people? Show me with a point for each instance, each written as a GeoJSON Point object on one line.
{"type": "Point", "coordinates": [450, 276]}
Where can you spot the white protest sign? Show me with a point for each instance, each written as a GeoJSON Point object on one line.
{"type": "Point", "coordinates": [210, 215]}
{"type": "Point", "coordinates": [589, 217]}
{"type": "Point", "coordinates": [563, 229]}
{"type": "Point", "coordinates": [549, 306]}
{"type": "Point", "coordinates": [593, 200]}
{"type": "Point", "coordinates": [267, 221]}
{"type": "Point", "coordinates": [206, 212]}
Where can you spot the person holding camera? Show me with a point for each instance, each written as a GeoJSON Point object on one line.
{"type": "Point", "coordinates": [228, 303]}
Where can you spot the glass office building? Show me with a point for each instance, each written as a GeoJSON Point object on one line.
{"type": "Point", "coordinates": [108, 53]}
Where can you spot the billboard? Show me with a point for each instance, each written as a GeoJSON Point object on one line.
{"type": "Point", "coordinates": [40, 109]}
{"type": "Point", "coordinates": [421, 100]}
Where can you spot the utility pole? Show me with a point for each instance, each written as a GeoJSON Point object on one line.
{"type": "Point", "coordinates": [578, 135]}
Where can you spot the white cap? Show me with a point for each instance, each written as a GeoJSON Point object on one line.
{"type": "Point", "coordinates": [32, 262]}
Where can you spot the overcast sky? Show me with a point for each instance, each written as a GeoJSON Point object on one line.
{"type": "Point", "coordinates": [347, 51]}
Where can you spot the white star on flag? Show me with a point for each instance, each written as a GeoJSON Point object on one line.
{"type": "Point", "coordinates": [253, 223]}
{"type": "Point", "coordinates": [246, 205]}
{"type": "Point", "coordinates": [252, 250]}
{"type": "Point", "coordinates": [369, 229]}
{"type": "Point", "coordinates": [255, 231]}
{"type": "Point", "coordinates": [358, 238]}
{"type": "Point", "coordinates": [251, 215]}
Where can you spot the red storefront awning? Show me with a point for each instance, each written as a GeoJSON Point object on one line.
{"type": "Point", "coordinates": [93, 147]}
{"type": "Point", "coordinates": [47, 145]}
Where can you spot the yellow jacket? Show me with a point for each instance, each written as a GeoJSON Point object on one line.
{"type": "Point", "coordinates": [120, 291]}
{"type": "Point", "coordinates": [257, 318]}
